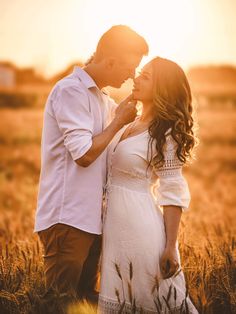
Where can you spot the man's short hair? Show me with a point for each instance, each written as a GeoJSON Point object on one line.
{"type": "Point", "coordinates": [120, 40]}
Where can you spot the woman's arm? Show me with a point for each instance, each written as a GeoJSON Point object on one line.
{"type": "Point", "coordinates": [173, 195]}
{"type": "Point", "coordinates": [169, 260]}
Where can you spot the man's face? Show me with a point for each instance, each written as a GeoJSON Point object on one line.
{"type": "Point", "coordinates": [122, 69]}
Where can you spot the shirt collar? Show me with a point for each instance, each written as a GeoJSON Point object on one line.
{"type": "Point", "coordinates": [84, 77]}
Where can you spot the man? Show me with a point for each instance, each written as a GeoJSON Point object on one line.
{"type": "Point", "coordinates": [73, 173]}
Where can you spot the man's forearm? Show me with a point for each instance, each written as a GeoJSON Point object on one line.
{"type": "Point", "coordinates": [172, 216]}
{"type": "Point", "coordinates": [125, 113]}
{"type": "Point", "coordinates": [100, 142]}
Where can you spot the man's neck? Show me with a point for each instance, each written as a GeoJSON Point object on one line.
{"type": "Point", "coordinates": [94, 72]}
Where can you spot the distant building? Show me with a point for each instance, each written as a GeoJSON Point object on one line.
{"type": "Point", "coordinates": [12, 76]}
{"type": "Point", "coordinates": [7, 75]}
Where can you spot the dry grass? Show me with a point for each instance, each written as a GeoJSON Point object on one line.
{"type": "Point", "coordinates": [207, 235]}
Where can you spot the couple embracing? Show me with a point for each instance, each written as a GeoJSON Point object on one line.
{"type": "Point", "coordinates": [111, 191]}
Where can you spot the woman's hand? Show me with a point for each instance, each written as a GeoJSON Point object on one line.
{"type": "Point", "coordinates": [169, 262]}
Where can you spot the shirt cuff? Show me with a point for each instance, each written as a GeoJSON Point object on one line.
{"type": "Point", "coordinates": [78, 148]}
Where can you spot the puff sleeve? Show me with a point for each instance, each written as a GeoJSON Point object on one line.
{"type": "Point", "coordinates": [172, 188]}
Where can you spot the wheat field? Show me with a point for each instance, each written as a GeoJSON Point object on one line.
{"type": "Point", "coordinates": [207, 231]}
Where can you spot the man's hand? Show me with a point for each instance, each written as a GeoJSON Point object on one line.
{"type": "Point", "coordinates": [169, 262]}
{"type": "Point", "coordinates": [126, 112]}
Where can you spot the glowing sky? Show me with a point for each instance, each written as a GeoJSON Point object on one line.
{"type": "Point", "coordinates": [50, 34]}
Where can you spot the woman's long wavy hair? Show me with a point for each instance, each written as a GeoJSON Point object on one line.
{"type": "Point", "coordinates": [173, 110]}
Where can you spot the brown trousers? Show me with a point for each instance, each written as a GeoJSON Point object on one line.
{"type": "Point", "coordinates": [71, 259]}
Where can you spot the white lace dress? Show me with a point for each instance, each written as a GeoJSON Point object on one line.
{"type": "Point", "coordinates": [134, 234]}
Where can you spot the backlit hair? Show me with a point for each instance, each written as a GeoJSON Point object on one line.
{"type": "Point", "coordinates": [120, 40]}
{"type": "Point", "coordinates": [173, 110]}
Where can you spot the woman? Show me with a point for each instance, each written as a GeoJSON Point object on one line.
{"type": "Point", "coordinates": [140, 260]}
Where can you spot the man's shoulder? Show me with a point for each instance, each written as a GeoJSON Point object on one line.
{"type": "Point", "coordinates": [70, 81]}
{"type": "Point", "coordinates": [67, 88]}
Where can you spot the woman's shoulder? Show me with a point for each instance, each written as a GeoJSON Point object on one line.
{"type": "Point", "coordinates": [170, 143]}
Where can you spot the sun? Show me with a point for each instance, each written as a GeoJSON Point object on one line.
{"type": "Point", "coordinates": [168, 26]}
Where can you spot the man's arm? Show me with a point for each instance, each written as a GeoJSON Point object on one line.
{"type": "Point", "coordinates": [125, 113]}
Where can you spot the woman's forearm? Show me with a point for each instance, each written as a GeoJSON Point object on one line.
{"type": "Point", "coordinates": [172, 216]}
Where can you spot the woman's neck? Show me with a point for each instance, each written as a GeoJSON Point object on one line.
{"type": "Point", "coordinates": [147, 113]}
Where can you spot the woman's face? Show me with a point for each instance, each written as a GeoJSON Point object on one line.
{"type": "Point", "coordinates": [143, 85]}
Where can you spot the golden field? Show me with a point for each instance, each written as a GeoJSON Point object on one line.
{"type": "Point", "coordinates": [207, 233]}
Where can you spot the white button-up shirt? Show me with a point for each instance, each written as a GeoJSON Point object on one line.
{"type": "Point", "coordinates": [76, 110]}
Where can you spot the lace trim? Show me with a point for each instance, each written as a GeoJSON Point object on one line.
{"type": "Point", "coordinates": [133, 173]}
{"type": "Point", "coordinates": [109, 306]}
{"type": "Point", "coordinates": [169, 172]}
{"type": "Point", "coordinates": [171, 167]}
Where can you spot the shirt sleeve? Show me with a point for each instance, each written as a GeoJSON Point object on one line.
{"type": "Point", "coordinates": [74, 120]}
{"type": "Point", "coordinates": [172, 188]}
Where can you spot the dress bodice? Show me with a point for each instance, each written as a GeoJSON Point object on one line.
{"type": "Point", "coordinates": [128, 167]}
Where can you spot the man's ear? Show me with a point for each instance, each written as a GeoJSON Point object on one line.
{"type": "Point", "coordinates": [110, 62]}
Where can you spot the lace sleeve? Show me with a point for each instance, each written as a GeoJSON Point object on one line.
{"type": "Point", "coordinates": [172, 188]}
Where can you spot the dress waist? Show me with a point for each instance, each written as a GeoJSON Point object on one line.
{"type": "Point", "coordinates": [137, 181]}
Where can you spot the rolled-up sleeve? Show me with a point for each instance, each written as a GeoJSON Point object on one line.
{"type": "Point", "coordinates": [74, 120]}
{"type": "Point", "coordinates": [172, 188]}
